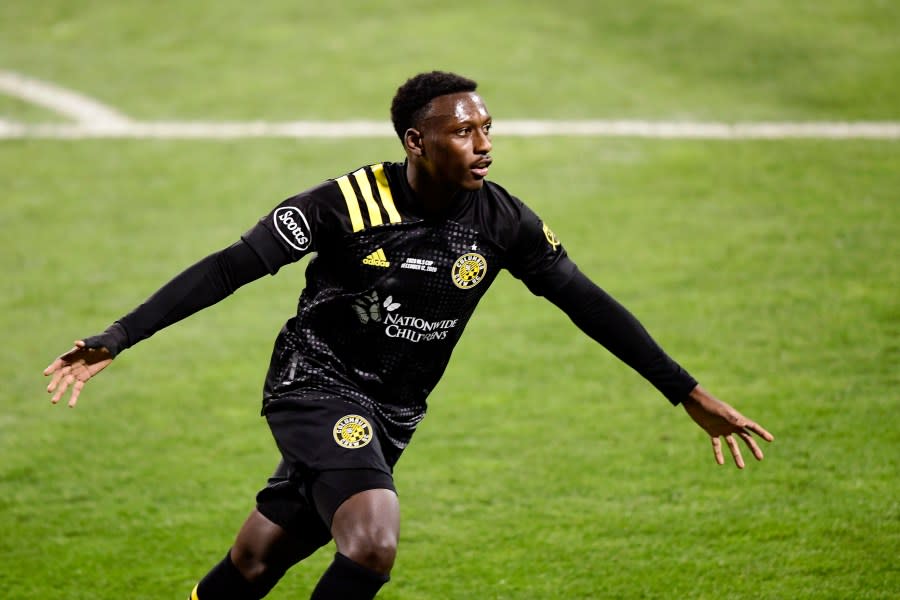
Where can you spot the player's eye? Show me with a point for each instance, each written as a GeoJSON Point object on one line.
{"type": "Point", "coordinates": [464, 131]}
{"type": "Point", "coordinates": [487, 128]}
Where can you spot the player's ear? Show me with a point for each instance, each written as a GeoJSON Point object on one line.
{"type": "Point", "coordinates": [413, 141]}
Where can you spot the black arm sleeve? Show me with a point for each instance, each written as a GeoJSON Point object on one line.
{"type": "Point", "coordinates": [201, 285]}
{"type": "Point", "coordinates": [606, 321]}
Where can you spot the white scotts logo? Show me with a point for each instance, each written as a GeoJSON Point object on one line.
{"type": "Point", "coordinates": [292, 226]}
{"type": "Point", "coordinates": [352, 431]}
{"type": "Point", "coordinates": [468, 270]}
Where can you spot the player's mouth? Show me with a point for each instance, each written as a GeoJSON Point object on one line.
{"type": "Point", "coordinates": [480, 168]}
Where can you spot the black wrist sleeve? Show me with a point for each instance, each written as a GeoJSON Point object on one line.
{"type": "Point", "coordinates": [201, 285]}
{"type": "Point", "coordinates": [602, 318]}
{"type": "Point", "coordinates": [114, 339]}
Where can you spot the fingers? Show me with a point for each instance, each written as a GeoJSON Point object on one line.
{"type": "Point", "coordinates": [63, 370]}
{"type": "Point", "coordinates": [76, 391]}
{"type": "Point", "coordinates": [717, 450]}
{"type": "Point", "coordinates": [58, 374]}
{"type": "Point", "coordinates": [735, 451]}
{"type": "Point", "coordinates": [65, 382]}
{"type": "Point", "coordinates": [53, 367]}
{"type": "Point", "coordinates": [63, 359]}
{"type": "Point", "coordinates": [61, 382]}
{"type": "Point", "coordinates": [754, 447]}
{"type": "Point", "coordinates": [735, 448]}
{"type": "Point", "coordinates": [758, 430]}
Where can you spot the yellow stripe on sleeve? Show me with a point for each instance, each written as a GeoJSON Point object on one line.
{"type": "Point", "coordinates": [384, 190]}
{"type": "Point", "coordinates": [366, 188]}
{"type": "Point", "coordinates": [194, 595]}
{"type": "Point", "coordinates": [356, 220]}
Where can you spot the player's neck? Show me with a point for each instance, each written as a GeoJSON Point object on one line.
{"type": "Point", "coordinates": [431, 198]}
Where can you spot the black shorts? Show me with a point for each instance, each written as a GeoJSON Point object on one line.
{"type": "Point", "coordinates": [330, 451]}
{"type": "Point", "coordinates": [305, 507]}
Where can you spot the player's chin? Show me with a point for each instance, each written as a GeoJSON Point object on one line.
{"type": "Point", "coordinates": [473, 183]}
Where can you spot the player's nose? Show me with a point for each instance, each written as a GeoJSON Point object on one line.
{"type": "Point", "coordinates": [482, 142]}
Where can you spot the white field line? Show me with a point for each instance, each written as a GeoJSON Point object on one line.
{"type": "Point", "coordinates": [96, 120]}
{"type": "Point", "coordinates": [60, 100]}
{"type": "Point", "coordinates": [201, 130]}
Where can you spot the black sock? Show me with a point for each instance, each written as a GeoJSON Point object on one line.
{"type": "Point", "coordinates": [224, 582]}
{"type": "Point", "coordinates": [347, 580]}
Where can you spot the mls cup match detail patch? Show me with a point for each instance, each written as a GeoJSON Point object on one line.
{"type": "Point", "coordinates": [551, 237]}
{"type": "Point", "coordinates": [352, 432]}
{"type": "Point", "coordinates": [292, 226]}
{"type": "Point", "coordinates": [468, 270]}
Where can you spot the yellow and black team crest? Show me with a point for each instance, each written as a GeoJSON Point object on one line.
{"type": "Point", "coordinates": [551, 237]}
{"type": "Point", "coordinates": [468, 270]}
{"type": "Point", "coordinates": [352, 432]}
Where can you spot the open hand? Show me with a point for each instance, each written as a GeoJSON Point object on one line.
{"type": "Point", "coordinates": [721, 420]}
{"type": "Point", "coordinates": [74, 368]}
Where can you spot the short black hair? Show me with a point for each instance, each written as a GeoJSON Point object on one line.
{"type": "Point", "coordinates": [412, 98]}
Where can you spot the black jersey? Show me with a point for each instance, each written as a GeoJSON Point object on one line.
{"type": "Point", "coordinates": [390, 291]}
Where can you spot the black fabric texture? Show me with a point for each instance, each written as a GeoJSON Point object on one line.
{"type": "Point", "coordinates": [347, 580]}
{"type": "Point", "coordinates": [225, 582]}
{"type": "Point", "coordinates": [601, 317]}
{"type": "Point", "coordinates": [114, 339]}
{"type": "Point", "coordinates": [201, 285]}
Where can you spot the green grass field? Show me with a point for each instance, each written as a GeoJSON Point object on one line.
{"type": "Point", "coordinates": [545, 468]}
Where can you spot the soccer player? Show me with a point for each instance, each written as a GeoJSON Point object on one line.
{"type": "Point", "coordinates": [404, 252]}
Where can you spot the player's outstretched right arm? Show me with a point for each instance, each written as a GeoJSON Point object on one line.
{"type": "Point", "coordinates": [75, 368]}
{"type": "Point", "coordinates": [201, 285]}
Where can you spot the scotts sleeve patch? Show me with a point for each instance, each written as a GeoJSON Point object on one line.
{"type": "Point", "coordinates": [551, 237]}
{"type": "Point", "coordinates": [292, 226]}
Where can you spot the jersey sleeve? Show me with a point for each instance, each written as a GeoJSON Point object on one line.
{"type": "Point", "coordinates": [609, 323]}
{"type": "Point", "coordinates": [294, 228]}
{"type": "Point", "coordinates": [536, 255]}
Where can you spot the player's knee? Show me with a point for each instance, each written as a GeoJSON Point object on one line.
{"type": "Point", "coordinates": [253, 566]}
{"type": "Point", "coordinates": [374, 548]}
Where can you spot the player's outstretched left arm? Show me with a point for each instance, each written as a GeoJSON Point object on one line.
{"type": "Point", "coordinates": [719, 419]}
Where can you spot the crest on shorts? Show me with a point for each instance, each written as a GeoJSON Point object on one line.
{"type": "Point", "coordinates": [352, 432]}
{"type": "Point", "coordinates": [468, 270]}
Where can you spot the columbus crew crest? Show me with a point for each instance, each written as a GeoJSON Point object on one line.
{"type": "Point", "coordinates": [352, 432]}
{"type": "Point", "coordinates": [468, 270]}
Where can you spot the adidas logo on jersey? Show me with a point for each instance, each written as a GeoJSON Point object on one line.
{"type": "Point", "coordinates": [377, 259]}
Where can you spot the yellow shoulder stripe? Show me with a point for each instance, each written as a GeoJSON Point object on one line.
{"type": "Point", "coordinates": [384, 190]}
{"type": "Point", "coordinates": [352, 205]}
{"type": "Point", "coordinates": [365, 194]}
{"type": "Point", "coordinates": [366, 189]}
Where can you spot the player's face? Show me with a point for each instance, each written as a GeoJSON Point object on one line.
{"type": "Point", "coordinates": [456, 138]}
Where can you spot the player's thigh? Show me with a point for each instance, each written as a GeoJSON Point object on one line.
{"type": "Point", "coordinates": [366, 515]}
{"type": "Point", "coordinates": [285, 527]}
{"type": "Point", "coordinates": [359, 495]}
